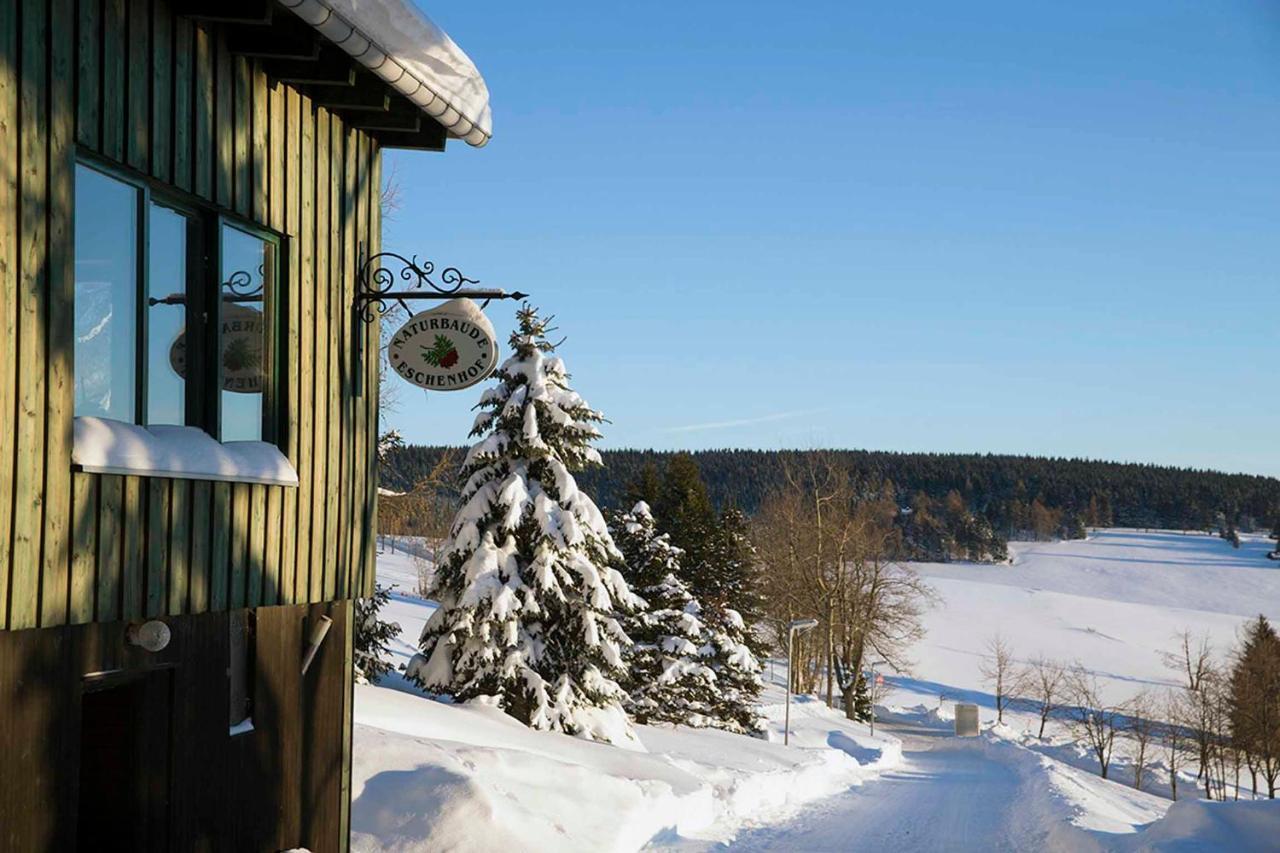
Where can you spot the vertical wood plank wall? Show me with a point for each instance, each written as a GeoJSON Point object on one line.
{"type": "Point", "coordinates": [161, 95]}
{"type": "Point", "coordinates": [283, 786]}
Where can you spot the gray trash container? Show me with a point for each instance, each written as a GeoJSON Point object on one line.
{"type": "Point", "coordinates": [966, 720]}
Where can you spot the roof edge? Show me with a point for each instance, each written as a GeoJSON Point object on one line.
{"type": "Point", "coordinates": [464, 118]}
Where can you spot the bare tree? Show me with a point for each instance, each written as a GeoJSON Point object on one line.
{"type": "Point", "coordinates": [1044, 683]}
{"type": "Point", "coordinates": [1092, 720]}
{"type": "Point", "coordinates": [1173, 734]}
{"type": "Point", "coordinates": [425, 510]}
{"type": "Point", "coordinates": [1001, 671]}
{"type": "Point", "coordinates": [1143, 728]}
{"type": "Point", "coordinates": [1208, 720]}
{"type": "Point", "coordinates": [1218, 698]}
{"type": "Point", "coordinates": [391, 199]}
{"type": "Point", "coordinates": [825, 545]}
{"type": "Point", "coordinates": [1192, 658]}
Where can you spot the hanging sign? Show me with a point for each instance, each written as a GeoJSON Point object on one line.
{"type": "Point", "coordinates": [242, 350]}
{"type": "Point", "coordinates": [448, 348]}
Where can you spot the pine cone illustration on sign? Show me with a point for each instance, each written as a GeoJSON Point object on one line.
{"type": "Point", "coordinates": [442, 353]}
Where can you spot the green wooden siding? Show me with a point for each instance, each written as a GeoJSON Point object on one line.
{"type": "Point", "coordinates": [160, 94]}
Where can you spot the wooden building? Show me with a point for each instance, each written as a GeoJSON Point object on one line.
{"type": "Point", "coordinates": [188, 405]}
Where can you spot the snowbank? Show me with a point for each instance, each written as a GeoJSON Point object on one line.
{"type": "Point", "coordinates": [1107, 815]}
{"type": "Point", "coordinates": [1202, 825]}
{"type": "Point", "coordinates": [427, 775]}
{"type": "Point", "coordinates": [106, 446]}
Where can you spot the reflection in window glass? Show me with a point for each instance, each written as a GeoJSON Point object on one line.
{"type": "Point", "coordinates": [248, 277]}
{"type": "Point", "coordinates": [166, 316]}
{"type": "Point", "coordinates": [105, 296]}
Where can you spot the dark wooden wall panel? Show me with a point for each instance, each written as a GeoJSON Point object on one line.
{"type": "Point", "coordinates": [280, 786]}
{"type": "Point", "coordinates": [159, 93]}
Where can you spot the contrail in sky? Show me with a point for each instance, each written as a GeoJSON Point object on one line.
{"type": "Point", "coordinates": [762, 419]}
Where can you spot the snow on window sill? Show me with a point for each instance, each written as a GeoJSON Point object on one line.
{"type": "Point", "coordinates": [104, 446]}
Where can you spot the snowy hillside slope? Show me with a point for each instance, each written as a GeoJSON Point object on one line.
{"type": "Point", "coordinates": [1113, 602]}
{"type": "Point", "coordinates": [1166, 568]}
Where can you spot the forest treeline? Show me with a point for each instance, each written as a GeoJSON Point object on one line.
{"type": "Point", "coordinates": [1015, 495]}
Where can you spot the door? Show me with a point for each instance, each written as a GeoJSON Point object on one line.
{"type": "Point", "coordinates": [124, 762]}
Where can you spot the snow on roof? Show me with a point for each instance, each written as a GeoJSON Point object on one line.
{"type": "Point", "coordinates": [396, 41]}
{"type": "Point", "coordinates": [106, 446]}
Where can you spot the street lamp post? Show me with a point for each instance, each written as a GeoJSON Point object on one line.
{"type": "Point", "coordinates": [793, 628]}
{"type": "Point", "coordinates": [874, 664]}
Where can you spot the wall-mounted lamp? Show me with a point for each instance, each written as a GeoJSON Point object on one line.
{"type": "Point", "coordinates": [318, 633]}
{"type": "Point", "coordinates": [152, 635]}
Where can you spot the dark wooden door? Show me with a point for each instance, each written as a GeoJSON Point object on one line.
{"type": "Point", "coordinates": [124, 763]}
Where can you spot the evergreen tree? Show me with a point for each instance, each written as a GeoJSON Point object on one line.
{"type": "Point", "coordinates": [997, 487]}
{"type": "Point", "coordinates": [1255, 700]}
{"type": "Point", "coordinates": [719, 565]}
{"type": "Point", "coordinates": [924, 535]}
{"type": "Point", "coordinates": [670, 679]}
{"type": "Point", "coordinates": [861, 699]}
{"type": "Point", "coordinates": [528, 597]}
{"type": "Point", "coordinates": [372, 635]}
{"type": "Point", "coordinates": [685, 512]}
{"type": "Point", "coordinates": [1229, 533]}
{"type": "Point", "coordinates": [389, 443]}
{"type": "Point", "coordinates": [730, 567]}
{"type": "Point", "coordinates": [732, 604]}
{"type": "Point", "coordinates": [645, 487]}
{"type": "Point", "coordinates": [1074, 527]}
{"type": "Point", "coordinates": [1001, 488]}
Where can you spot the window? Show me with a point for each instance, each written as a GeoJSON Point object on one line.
{"type": "Point", "coordinates": [146, 330]}
{"type": "Point", "coordinates": [168, 271]}
{"type": "Point", "coordinates": [248, 284]}
{"type": "Point", "coordinates": [106, 308]}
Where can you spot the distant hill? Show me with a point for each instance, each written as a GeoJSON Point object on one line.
{"type": "Point", "coordinates": [998, 486]}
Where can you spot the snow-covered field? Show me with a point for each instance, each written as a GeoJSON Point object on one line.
{"type": "Point", "coordinates": [431, 776]}
{"type": "Point", "coordinates": [1113, 602]}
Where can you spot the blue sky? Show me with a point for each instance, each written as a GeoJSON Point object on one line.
{"type": "Point", "coordinates": [1007, 227]}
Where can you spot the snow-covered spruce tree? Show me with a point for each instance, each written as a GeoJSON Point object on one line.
{"type": "Point", "coordinates": [372, 635]}
{"type": "Point", "coordinates": [861, 700]}
{"type": "Point", "coordinates": [669, 678]}
{"type": "Point", "coordinates": [528, 595]}
{"type": "Point", "coordinates": [733, 647]}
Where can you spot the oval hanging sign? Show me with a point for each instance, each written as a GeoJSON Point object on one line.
{"type": "Point", "coordinates": [242, 350]}
{"type": "Point", "coordinates": [448, 348]}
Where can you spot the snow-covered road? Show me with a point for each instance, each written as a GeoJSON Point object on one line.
{"type": "Point", "coordinates": [949, 794]}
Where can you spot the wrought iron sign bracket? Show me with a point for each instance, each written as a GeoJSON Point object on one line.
{"type": "Point", "coordinates": [376, 281]}
{"type": "Point", "coordinates": [379, 273]}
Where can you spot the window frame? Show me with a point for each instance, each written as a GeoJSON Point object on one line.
{"type": "Point", "coordinates": [203, 403]}
{"type": "Point", "coordinates": [272, 338]}
{"type": "Point", "coordinates": [195, 320]}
